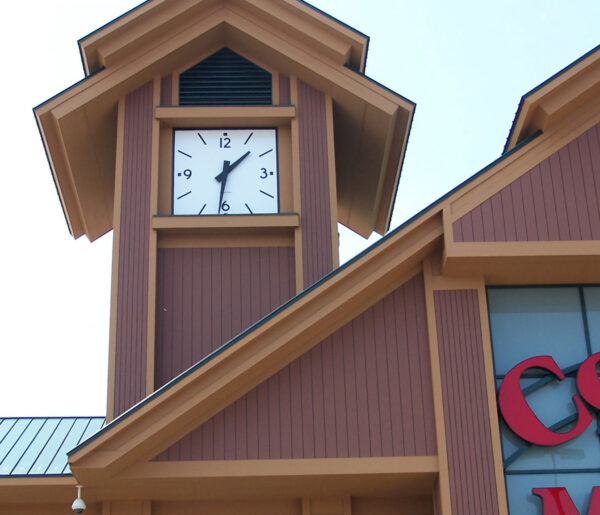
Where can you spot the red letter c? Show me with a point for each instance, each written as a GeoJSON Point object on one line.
{"type": "Point", "coordinates": [521, 418]}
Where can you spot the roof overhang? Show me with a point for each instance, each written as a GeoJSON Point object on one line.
{"type": "Point", "coordinates": [371, 123]}
{"type": "Point", "coordinates": [553, 100]}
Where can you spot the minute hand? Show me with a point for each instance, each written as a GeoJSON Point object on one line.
{"type": "Point", "coordinates": [228, 169]}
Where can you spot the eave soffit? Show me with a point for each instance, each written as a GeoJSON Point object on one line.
{"type": "Point", "coordinates": [551, 101]}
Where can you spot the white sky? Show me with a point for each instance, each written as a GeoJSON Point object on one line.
{"type": "Point", "coordinates": [465, 63]}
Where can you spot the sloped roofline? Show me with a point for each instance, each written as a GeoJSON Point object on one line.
{"type": "Point", "coordinates": [405, 225]}
{"type": "Point", "coordinates": [510, 140]}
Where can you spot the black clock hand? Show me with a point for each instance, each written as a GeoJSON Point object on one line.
{"type": "Point", "coordinates": [222, 177]}
{"type": "Point", "coordinates": [224, 173]}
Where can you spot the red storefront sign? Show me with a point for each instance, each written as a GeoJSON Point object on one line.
{"type": "Point", "coordinates": [523, 421]}
{"type": "Point", "coordinates": [557, 501]}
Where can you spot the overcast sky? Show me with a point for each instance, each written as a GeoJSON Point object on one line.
{"type": "Point", "coordinates": [465, 63]}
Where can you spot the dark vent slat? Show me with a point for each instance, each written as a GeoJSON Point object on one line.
{"type": "Point", "coordinates": [225, 78]}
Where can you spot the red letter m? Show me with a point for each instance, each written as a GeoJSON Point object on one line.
{"type": "Point", "coordinates": [557, 501]}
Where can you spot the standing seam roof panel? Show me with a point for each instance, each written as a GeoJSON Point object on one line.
{"type": "Point", "coordinates": [38, 446]}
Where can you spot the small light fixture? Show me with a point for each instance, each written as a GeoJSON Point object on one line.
{"type": "Point", "coordinates": [78, 504]}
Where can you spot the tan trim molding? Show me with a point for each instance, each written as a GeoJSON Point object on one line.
{"type": "Point", "coordinates": [296, 198]}
{"type": "Point", "coordinates": [232, 116]}
{"type": "Point", "coordinates": [335, 250]}
{"type": "Point", "coordinates": [529, 262]}
{"type": "Point", "coordinates": [112, 346]}
{"type": "Point", "coordinates": [36, 490]}
{"type": "Point", "coordinates": [290, 220]}
{"type": "Point", "coordinates": [438, 400]}
{"type": "Point", "coordinates": [152, 245]}
{"type": "Point", "coordinates": [252, 479]}
{"type": "Point", "coordinates": [490, 384]}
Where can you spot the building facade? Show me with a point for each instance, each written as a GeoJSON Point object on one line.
{"type": "Point", "coordinates": [449, 369]}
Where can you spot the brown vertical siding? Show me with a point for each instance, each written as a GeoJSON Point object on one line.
{"type": "Point", "coordinates": [470, 459]}
{"type": "Point", "coordinates": [364, 391]}
{"type": "Point", "coordinates": [314, 184]}
{"type": "Point", "coordinates": [166, 91]}
{"type": "Point", "coordinates": [131, 334]}
{"type": "Point", "coordinates": [559, 199]}
{"type": "Point", "coordinates": [204, 297]}
{"type": "Point", "coordinates": [284, 90]}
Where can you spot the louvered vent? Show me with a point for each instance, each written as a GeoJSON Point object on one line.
{"type": "Point", "coordinates": [225, 78]}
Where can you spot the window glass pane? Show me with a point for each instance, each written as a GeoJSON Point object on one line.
{"type": "Point", "coordinates": [522, 502]}
{"type": "Point", "coordinates": [527, 322]}
{"type": "Point", "coordinates": [553, 401]}
{"type": "Point", "coordinates": [592, 306]}
{"type": "Point", "coordinates": [582, 452]}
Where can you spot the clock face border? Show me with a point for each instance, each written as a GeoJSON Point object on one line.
{"type": "Point", "coordinates": [226, 128]}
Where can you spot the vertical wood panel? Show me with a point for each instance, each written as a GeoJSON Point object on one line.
{"type": "Point", "coordinates": [284, 90]}
{"type": "Point", "coordinates": [497, 207]}
{"type": "Point", "coordinates": [166, 91]}
{"type": "Point", "coordinates": [558, 199]}
{"type": "Point", "coordinates": [468, 433]}
{"type": "Point", "coordinates": [364, 391]}
{"type": "Point", "coordinates": [314, 184]}
{"type": "Point", "coordinates": [132, 309]}
{"type": "Point", "coordinates": [205, 298]}
{"type": "Point", "coordinates": [592, 184]}
{"type": "Point", "coordinates": [539, 204]}
{"type": "Point", "coordinates": [579, 191]}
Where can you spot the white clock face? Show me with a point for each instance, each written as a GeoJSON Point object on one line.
{"type": "Point", "coordinates": [225, 171]}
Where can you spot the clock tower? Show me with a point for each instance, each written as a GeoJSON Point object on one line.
{"type": "Point", "coordinates": [222, 142]}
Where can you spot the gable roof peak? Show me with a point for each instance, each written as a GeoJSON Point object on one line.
{"type": "Point", "coordinates": [134, 29]}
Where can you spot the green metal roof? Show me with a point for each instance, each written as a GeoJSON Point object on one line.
{"type": "Point", "coordinates": [37, 446]}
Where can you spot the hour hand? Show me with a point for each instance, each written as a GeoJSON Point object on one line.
{"type": "Point", "coordinates": [222, 178]}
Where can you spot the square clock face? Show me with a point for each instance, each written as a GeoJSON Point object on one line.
{"type": "Point", "coordinates": [225, 171]}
